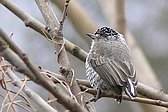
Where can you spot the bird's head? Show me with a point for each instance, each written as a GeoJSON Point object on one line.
{"type": "Point", "coordinates": [106, 34]}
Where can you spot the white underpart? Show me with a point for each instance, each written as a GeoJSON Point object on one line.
{"type": "Point", "coordinates": [91, 74]}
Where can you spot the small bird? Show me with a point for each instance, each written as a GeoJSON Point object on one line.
{"type": "Point", "coordinates": [109, 67]}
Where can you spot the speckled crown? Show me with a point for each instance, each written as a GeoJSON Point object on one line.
{"type": "Point", "coordinates": [106, 31]}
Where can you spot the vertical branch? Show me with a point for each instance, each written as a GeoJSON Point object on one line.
{"type": "Point", "coordinates": [64, 15]}
{"type": "Point", "coordinates": [55, 31]}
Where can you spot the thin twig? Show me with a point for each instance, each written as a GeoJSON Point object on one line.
{"type": "Point", "coordinates": [62, 82]}
{"type": "Point", "coordinates": [22, 106]}
{"type": "Point", "coordinates": [30, 94]}
{"type": "Point", "coordinates": [9, 97]}
{"type": "Point", "coordinates": [64, 15]}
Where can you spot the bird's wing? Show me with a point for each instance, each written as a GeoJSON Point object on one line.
{"type": "Point", "coordinates": [115, 72]}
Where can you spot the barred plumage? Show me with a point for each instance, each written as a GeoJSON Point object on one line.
{"type": "Point", "coordinates": [109, 66]}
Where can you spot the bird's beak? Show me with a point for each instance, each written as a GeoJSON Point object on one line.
{"type": "Point", "coordinates": [92, 36]}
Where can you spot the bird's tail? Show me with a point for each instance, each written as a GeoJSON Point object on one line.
{"type": "Point", "coordinates": [130, 89]}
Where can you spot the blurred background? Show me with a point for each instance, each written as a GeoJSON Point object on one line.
{"type": "Point", "coordinates": [146, 20]}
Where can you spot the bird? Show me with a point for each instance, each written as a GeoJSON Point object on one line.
{"type": "Point", "coordinates": [109, 66]}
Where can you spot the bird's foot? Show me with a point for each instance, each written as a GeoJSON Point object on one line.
{"type": "Point", "coordinates": [118, 99]}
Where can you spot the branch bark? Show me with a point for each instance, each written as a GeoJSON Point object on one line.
{"type": "Point", "coordinates": [26, 67]}
{"type": "Point", "coordinates": [55, 32]}
{"type": "Point", "coordinates": [160, 99]}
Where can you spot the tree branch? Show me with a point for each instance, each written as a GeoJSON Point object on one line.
{"type": "Point", "coordinates": [31, 22]}
{"type": "Point", "coordinates": [55, 31]}
{"type": "Point", "coordinates": [30, 94]}
{"type": "Point", "coordinates": [85, 85]}
{"type": "Point", "coordinates": [28, 67]}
